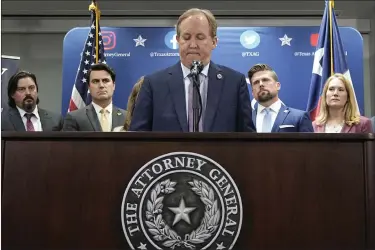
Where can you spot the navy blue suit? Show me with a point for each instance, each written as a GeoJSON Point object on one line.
{"type": "Point", "coordinates": [161, 104]}
{"type": "Point", "coordinates": [289, 120]}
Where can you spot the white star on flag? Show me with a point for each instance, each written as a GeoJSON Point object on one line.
{"type": "Point", "coordinates": [285, 40]}
{"type": "Point", "coordinates": [140, 41]}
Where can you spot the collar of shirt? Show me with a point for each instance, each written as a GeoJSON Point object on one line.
{"type": "Point", "coordinates": [23, 112]}
{"type": "Point", "coordinates": [98, 108]}
{"type": "Point", "coordinates": [275, 107]}
{"type": "Point", "coordinates": [186, 71]}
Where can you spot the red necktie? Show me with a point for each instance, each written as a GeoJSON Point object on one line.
{"type": "Point", "coordinates": [29, 124]}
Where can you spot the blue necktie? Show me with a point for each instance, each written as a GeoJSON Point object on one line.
{"type": "Point", "coordinates": [267, 122]}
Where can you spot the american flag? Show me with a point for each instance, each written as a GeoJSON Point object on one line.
{"type": "Point", "coordinates": [329, 58]}
{"type": "Point", "coordinates": [80, 96]}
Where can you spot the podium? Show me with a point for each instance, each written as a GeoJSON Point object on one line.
{"type": "Point", "coordinates": [64, 190]}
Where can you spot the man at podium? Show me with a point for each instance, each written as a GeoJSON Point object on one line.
{"type": "Point", "coordinates": [165, 102]}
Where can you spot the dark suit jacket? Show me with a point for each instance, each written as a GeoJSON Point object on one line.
{"type": "Point", "coordinates": [11, 120]}
{"type": "Point", "coordinates": [289, 120]}
{"type": "Point", "coordinates": [364, 126]}
{"type": "Point", "coordinates": [85, 119]}
{"type": "Point", "coordinates": [161, 104]}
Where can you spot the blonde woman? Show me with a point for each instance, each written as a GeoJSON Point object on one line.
{"type": "Point", "coordinates": [338, 111]}
{"type": "Point", "coordinates": [131, 104]}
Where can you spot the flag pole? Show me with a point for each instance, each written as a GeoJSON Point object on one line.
{"type": "Point", "coordinates": [93, 7]}
{"type": "Point", "coordinates": [331, 4]}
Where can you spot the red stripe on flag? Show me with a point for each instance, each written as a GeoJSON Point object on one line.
{"type": "Point", "coordinates": [314, 113]}
{"type": "Point", "coordinates": [72, 105]}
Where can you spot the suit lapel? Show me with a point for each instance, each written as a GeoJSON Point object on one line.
{"type": "Point", "coordinates": [254, 115]}
{"type": "Point", "coordinates": [215, 85]}
{"type": "Point", "coordinates": [16, 120]}
{"type": "Point", "coordinates": [280, 118]}
{"type": "Point", "coordinates": [346, 128]}
{"type": "Point", "coordinates": [177, 88]}
{"type": "Point", "coordinates": [93, 118]}
{"type": "Point", "coordinates": [320, 128]}
{"type": "Point", "coordinates": [44, 120]}
{"type": "Point", "coordinates": [116, 117]}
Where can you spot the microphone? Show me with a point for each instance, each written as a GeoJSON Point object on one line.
{"type": "Point", "coordinates": [196, 68]}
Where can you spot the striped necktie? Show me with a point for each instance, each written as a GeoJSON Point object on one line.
{"type": "Point", "coordinates": [29, 123]}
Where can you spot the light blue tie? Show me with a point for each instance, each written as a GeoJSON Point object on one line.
{"type": "Point", "coordinates": [267, 122]}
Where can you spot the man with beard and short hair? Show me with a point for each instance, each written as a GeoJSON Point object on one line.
{"type": "Point", "coordinates": [270, 114]}
{"type": "Point", "coordinates": [101, 115]}
{"type": "Point", "coordinates": [24, 114]}
{"type": "Point", "coordinates": [165, 99]}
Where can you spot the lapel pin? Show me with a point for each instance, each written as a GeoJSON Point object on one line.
{"type": "Point", "coordinates": [119, 113]}
{"type": "Point", "coordinates": [286, 111]}
{"type": "Point", "coordinates": [219, 76]}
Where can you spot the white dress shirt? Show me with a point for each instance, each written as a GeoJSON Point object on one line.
{"type": "Point", "coordinates": [274, 110]}
{"type": "Point", "coordinates": [35, 119]}
{"type": "Point", "coordinates": [109, 113]}
{"type": "Point", "coordinates": [203, 86]}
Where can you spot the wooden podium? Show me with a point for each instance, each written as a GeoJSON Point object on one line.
{"type": "Point", "coordinates": [299, 191]}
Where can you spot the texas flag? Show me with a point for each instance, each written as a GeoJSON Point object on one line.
{"type": "Point", "coordinates": [329, 58]}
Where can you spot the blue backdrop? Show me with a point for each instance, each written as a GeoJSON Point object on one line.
{"type": "Point", "coordinates": [134, 52]}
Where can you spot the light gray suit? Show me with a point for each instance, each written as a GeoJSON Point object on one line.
{"type": "Point", "coordinates": [11, 120]}
{"type": "Point", "coordinates": [85, 119]}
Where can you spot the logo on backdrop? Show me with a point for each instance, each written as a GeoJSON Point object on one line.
{"type": "Point", "coordinates": [314, 39]}
{"type": "Point", "coordinates": [170, 40]}
{"type": "Point", "coordinates": [250, 39]}
{"type": "Point", "coordinates": [109, 40]}
{"type": "Point", "coordinates": [181, 200]}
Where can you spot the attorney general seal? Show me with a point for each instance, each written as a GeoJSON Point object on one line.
{"type": "Point", "coordinates": [181, 200]}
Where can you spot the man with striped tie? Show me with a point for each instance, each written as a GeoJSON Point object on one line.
{"type": "Point", "coordinates": [24, 113]}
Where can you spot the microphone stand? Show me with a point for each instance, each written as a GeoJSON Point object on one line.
{"type": "Point", "coordinates": [197, 103]}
